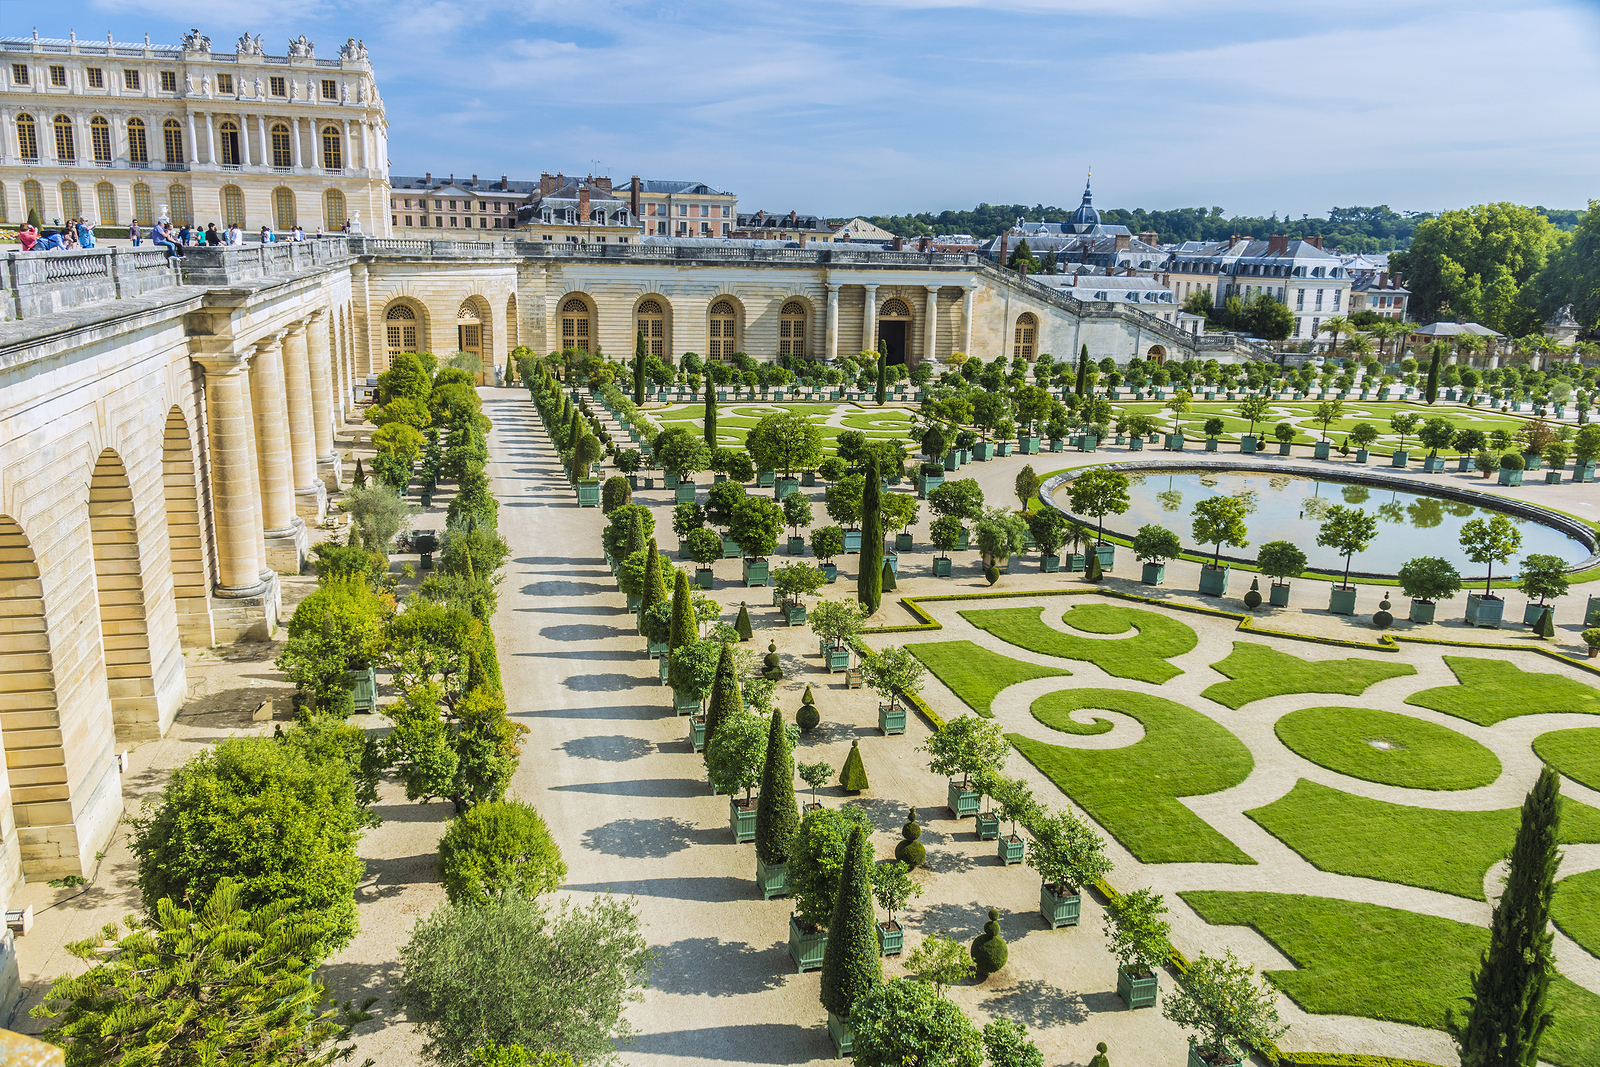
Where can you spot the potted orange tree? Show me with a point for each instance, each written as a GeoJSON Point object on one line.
{"type": "Point", "coordinates": [1068, 855]}
{"type": "Point", "coordinates": [1140, 940]}
{"type": "Point", "coordinates": [971, 747]}
{"type": "Point", "coordinates": [1227, 1010]}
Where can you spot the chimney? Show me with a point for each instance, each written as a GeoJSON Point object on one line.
{"type": "Point", "coordinates": [924, 243]}
{"type": "Point", "coordinates": [1123, 241]}
{"type": "Point", "coordinates": [633, 195]}
{"type": "Point", "coordinates": [502, 183]}
{"type": "Point", "coordinates": [1314, 242]}
{"type": "Point", "coordinates": [474, 179]}
{"type": "Point", "coordinates": [583, 203]}
{"type": "Point", "coordinates": [1383, 279]}
{"type": "Point", "coordinates": [899, 244]}
{"type": "Point", "coordinates": [547, 184]}
{"type": "Point", "coordinates": [1150, 238]}
{"type": "Point", "coordinates": [792, 217]}
{"type": "Point", "coordinates": [603, 183]}
{"type": "Point", "coordinates": [1277, 245]}
{"type": "Point", "coordinates": [1003, 242]}
{"type": "Point", "coordinates": [427, 179]}
{"type": "Point", "coordinates": [1233, 241]}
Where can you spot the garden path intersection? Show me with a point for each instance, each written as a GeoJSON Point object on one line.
{"type": "Point", "coordinates": [608, 766]}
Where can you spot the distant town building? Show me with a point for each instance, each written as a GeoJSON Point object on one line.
{"type": "Point", "coordinates": [1294, 271]}
{"type": "Point", "coordinates": [577, 211]}
{"type": "Point", "coordinates": [1082, 240]}
{"type": "Point", "coordinates": [766, 226]}
{"type": "Point", "coordinates": [418, 204]}
{"type": "Point", "coordinates": [859, 229]}
{"type": "Point", "coordinates": [1382, 294]}
{"type": "Point", "coordinates": [672, 208]}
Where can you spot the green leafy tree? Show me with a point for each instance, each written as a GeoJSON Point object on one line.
{"type": "Point", "coordinates": [1027, 486]}
{"type": "Point", "coordinates": [1544, 576]}
{"type": "Point", "coordinates": [797, 512]}
{"type": "Point", "coordinates": [843, 500]}
{"type": "Point", "coordinates": [1438, 351]}
{"type": "Point", "coordinates": [466, 754]}
{"type": "Point", "coordinates": [826, 542]}
{"type": "Point", "coordinates": [499, 847]}
{"type": "Point", "coordinates": [1066, 852]}
{"type": "Point", "coordinates": [1479, 261]}
{"type": "Point", "coordinates": [893, 672]}
{"type": "Point", "coordinates": [560, 978]}
{"type": "Point", "coordinates": [777, 817]}
{"type": "Point", "coordinates": [377, 516]}
{"type": "Point", "coordinates": [1049, 529]}
{"type": "Point", "coordinates": [1083, 371]}
{"type": "Point", "coordinates": [1227, 1009]}
{"type": "Point", "coordinates": [1328, 411]}
{"type": "Point", "coordinates": [1008, 1045]}
{"type": "Point", "coordinates": [968, 746]}
{"type": "Point", "coordinates": [1492, 540]}
{"type": "Point", "coordinates": [1347, 531]}
{"type": "Point", "coordinates": [960, 499]}
{"type": "Point", "coordinates": [639, 354]}
{"type": "Point", "coordinates": [817, 859]}
{"type": "Point", "coordinates": [1138, 936]}
{"type": "Point", "coordinates": [851, 963]}
{"type": "Point", "coordinates": [999, 534]}
{"type": "Point", "coordinates": [685, 626]}
{"type": "Point", "coordinates": [224, 984]}
{"type": "Point", "coordinates": [1155, 545]}
{"type": "Point", "coordinates": [940, 961]}
{"type": "Point", "coordinates": [881, 394]}
{"type": "Point", "coordinates": [1404, 423]}
{"type": "Point", "coordinates": [1098, 493]}
{"type": "Point", "coordinates": [710, 416]}
{"type": "Point", "coordinates": [1429, 578]}
{"type": "Point", "coordinates": [869, 581]}
{"type": "Point", "coordinates": [736, 754]}
{"type": "Point", "coordinates": [1254, 408]}
{"type": "Point", "coordinates": [1219, 520]}
{"type": "Point", "coordinates": [892, 886]}
{"type": "Point", "coordinates": [899, 1023]}
{"type": "Point", "coordinates": [755, 525]}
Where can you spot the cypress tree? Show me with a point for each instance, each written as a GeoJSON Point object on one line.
{"type": "Point", "coordinates": [726, 699]}
{"type": "Point", "coordinates": [1508, 1007]}
{"type": "Point", "coordinates": [655, 589]}
{"type": "Point", "coordinates": [887, 584]}
{"type": "Point", "coordinates": [638, 369]}
{"type": "Point", "coordinates": [883, 371]}
{"type": "Point", "coordinates": [685, 629]}
{"type": "Point", "coordinates": [869, 582]}
{"type": "Point", "coordinates": [851, 964]}
{"type": "Point", "coordinates": [574, 430]}
{"type": "Point", "coordinates": [853, 775]}
{"type": "Point", "coordinates": [742, 624]}
{"type": "Point", "coordinates": [636, 538]}
{"type": "Point", "coordinates": [711, 411]}
{"type": "Point", "coordinates": [777, 817]}
{"type": "Point", "coordinates": [1083, 369]}
{"type": "Point", "coordinates": [1432, 391]}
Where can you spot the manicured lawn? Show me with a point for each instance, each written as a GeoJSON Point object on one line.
{"type": "Point", "coordinates": [1493, 690]}
{"type": "Point", "coordinates": [974, 673]}
{"type": "Point", "coordinates": [1577, 909]}
{"type": "Point", "coordinates": [734, 420]}
{"type": "Point", "coordinates": [1142, 657]}
{"type": "Point", "coordinates": [1575, 753]}
{"type": "Point", "coordinates": [1383, 963]}
{"type": "Point", "coordinates": [1380, 746]}
{"type": "Point", "coordinates": [1256, 671]}
{"type": "Point", "coordinates": [1133, 791]}
{"type": "Point", "coordinates": [1446, 851]}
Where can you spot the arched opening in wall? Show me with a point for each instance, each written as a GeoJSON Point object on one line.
{"type": "Point", "coordinates": [71, 205]}
{"type": "Point", "coordinates": [470, 329]}
{"type": "Point", "coordinates": [138, 142]}
{"type": "Point", "coordinates": [792, 329]}
{"type": "Point", "coordinates": [400, 326]}
{"type": "Point", "coordinates": [282, 149]}
{"type": "Point", "coordinates": [143, 209]}
{"type": "Point", "coordinates": [283, 207]}
{"type": "Point", "coordinates": [228, 144]}
{"type": "Point", "coordinates": [722, 328]}
{"type": "Point", "coordinates": [100, 139]}
{"type": "Point", "coordinates": [511, 321]}
{"type": "Point", "coordinates": [31, 733]}
{"type": "Point", "coordinates": [106, 194]}
{"type": "Point", "coordinates": [1157, 354]}
{"type": "Point", "coordinates": [651, 319]}
{"type": "Point", "coordinates": [333, 210]}
{"type": "Point", "coordinates": [894, 328]}
{"type": "Point", "coordinates": [1025, 338]}
{"type": "Point", "coordinates": [186, 535]}
{"type": "Point", "coordinates": [172, 141]}
{"type": "Point", "coordinates": [124, 630]}
{"type": "Point", "coordinates": [178, 205]}
{"type": "Point", "coordinates": [575, 324]}
{"type": "Point", "coordinates": [233, 206]}
{"type": "Point", "coordinates": [33, 201]}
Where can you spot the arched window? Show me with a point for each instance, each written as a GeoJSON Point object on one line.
{"type": "Point", "coordinates": [469, 329]}
{"type": "Point", "coordinates": [172, 135]}
{"type": "Point", "coordinates": [66, 144]}
{"type": "Point", "coordinates": [32, 199]}
{"type": "Point", "coordinates": [283, 208]}
{"type": "Point", "coordinates": [575, 325]}
{"type": "Point", "coordinates": [401, 325]}
{"type": "Point", "coordinates": [178, 205]}
{"type": "Point", "coordinates": [895, 309]}
{"type": "Point", "coordinates": [229, 138]}
{"type": "Point", "coordinates": [100, 139]}
{"type": "Point", "coordinates": [653, 324]}
{"type": "Point", "coordinates": [333, 213]}
{"type": "Point", "coordinates": [232, 206]}
{"type": "Point", "coordinates": [143, 210]}
{"type": "Point", "coordinates": [138, 147]}
{"type": "Point", "coordinates": [106, 194]}
{"type": "Point", "coordinates": [792, 329]}
{"type": "Point", "coordinates": [27, 138]}
{"type": "Point", "coordinates": [332, 149]}
{"type": "Point", "coordinates": [722, 328]}
{"type": "Point", "coordinates": [71, 206]}
{"type": "Point", "coordinates": [282, 156]}
{"type": "Point", "coordinates": [1025, 339]}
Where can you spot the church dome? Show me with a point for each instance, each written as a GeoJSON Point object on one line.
{"type": "Point", "coordinates": [1086, 215]}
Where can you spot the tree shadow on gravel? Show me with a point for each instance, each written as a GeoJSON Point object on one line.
{"type": "Point", "coordinates": [1038, 1004]}
{"type": "Point", "coordinates": [709, 966]}
{"type": "Point", "coordinates": [707, 890]}
{"type": "Point", "coordinates": [613, 748]}
{"type": "Point", "coordinates": [887, 815]}
{"type": "Point", "coordinates": [579, 609]}
{"type": "Point", "coordinates": [641, 839]}
{"type": "Point", "coordinates": [960, 921]}
{"type": "Point", "coordinates": [563, 589]}
{"type": "Point", "coordinates": [580, 631]}
{"type": "Point", "coordinates": [558, 561]}
{"type": "Point", "coordinates": [641, 787]}
{"type": "Point", "coordinates": [386, 876]}
{"type": "Point", "coordinates": [826, 733]}
{"type": "Point", "coordinates": [606, 683]}
{"type": "Point", "coordinates": [777, 1043]}
{"type": "Point", "coordinates": [357, 981]}
{"type": "Point", "coordinates": [615, 711]}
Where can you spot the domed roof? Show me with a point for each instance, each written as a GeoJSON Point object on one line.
{"type": "Point", "coordinates": [1086, 215]}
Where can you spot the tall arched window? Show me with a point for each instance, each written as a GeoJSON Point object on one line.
{"type": "Point", "coordinates": [722, 327]}
{"type": "Point", "coordinates": [143, 209]}
{"type": "Point", "coordinates": [332, 149]}
{"type": "Point", "coordinates": [106, 194]}
{"type": "Point", "coordinates": [228, 136]}
{"type": "Point", "coordinates": [283, 208]}
{"type": "Point", "coordinates": [792, 329]}
{"type": "Point", "coordinates": [333, 212]}
{"type": "Point", "coordinates": [653, 324]}
{"type": "Point", "coordinates": [469, 329]}
{"type": "Point", "coordinates": [100, 139]}
{"type": "Point", "coordinates": [66, 144]}
{"type": "Point", "coordinates": [400, 324]}
{"type": "Point", "coordinates": [138, 147]}
{"type": "Point", "coordinates": [172, 136]}
{"type": "Point", "coordinates": [178, 205]}
{"type": "Point", "coordinates": [32, 199]}
{"type": "Point", "coordinates": [1026, 333]}
{"type": "Point", "coordinates": [282, 156]}
{"type": "Point", "coordinates": [232, 206]}
{"type": "Point", "coordinates": [71, 205]}
{"type": "Point", "coordinates": [575, 325]}
{"type": "Point", "coordinates": [27, 138]}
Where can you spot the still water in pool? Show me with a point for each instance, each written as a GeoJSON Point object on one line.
{"type": "Point", "coordinates": [1290, 508]}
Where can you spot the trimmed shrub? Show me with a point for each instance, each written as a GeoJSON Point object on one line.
{"type": "Point", "coordinates": [614, 494]}
{"type": "Point", "coordinates": [495, 847]}
{"type": "Point", "coordinates": [742, 624]}
{"type": "Point", "coordinates": [808, 718]}
{"type": "Point", "coordinates": [911, 851]}
{"type": "Point", "coordinates": [851, 963]}
{"type": "Point", "coordinates": [777, 817]}
{"type": "Point", "coordinates": [1512, 461]}
{"type": "Point", "coordinates": [989, 950]}
{"type": "Point", "coordinates": [853, 775]}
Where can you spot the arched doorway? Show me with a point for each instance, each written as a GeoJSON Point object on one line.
{"type": "Point", "coordinates": [473, 333]}
{"type": "Point", "coordinates": [722, 327]}
{"type": "Point", "coordinates": [1025, 339]}
{"type": "Point", "coordinates": [651, 321]}
{"type": "Point", "coordinates": [894, 328]}
{"type": "Point", "coordinates": [124, 628]}
{"type": "Point", "coordinates": [792, 329]}
{"type": "Point", "coordinates": [186, 535]}
{"type": "Point", "coordinates": [27, 663]}
{"type": "Point", "coordinates": [1157, 354]}
{"type": "Point", "coordinates": [400, 326]}
{"type": "Point", "coordinates": [575, 324]}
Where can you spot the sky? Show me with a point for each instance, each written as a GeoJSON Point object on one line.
{"type": "Point", "coordinates": [891, 106]}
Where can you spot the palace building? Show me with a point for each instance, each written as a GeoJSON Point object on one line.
{"type": "Point", "coordinates": [116, 132]}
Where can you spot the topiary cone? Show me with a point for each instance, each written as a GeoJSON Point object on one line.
{"type": "Point", "coordinates": [911, 852]}
{"type": "Point", "coordinates": [742, 625]}
{"type": "Point", "coordinates": [853, 775]}
{"type": "Point", "coordinates": [991, 574]}
{"type": "Point", "coordinates": [1547, 623]}
{"type": "Point", "coordinates": [888, 578]}
{"type": "Point", "coordinates": [989, 951]}
{"type": "Point", "coordinates": [1092, 571]}
{"type": "Point", "coordinates": [1252, 599]}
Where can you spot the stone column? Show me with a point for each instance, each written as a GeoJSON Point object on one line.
{"type": "Point", "coordinates": [930, 331]}
{"type": "Point", "coordinates": [294, 142]}
{"type": "Point", "coordinates": [264, 160]}
{"type": "Point", "coordinates": [324, 389]}
{"type": "Point", "coordinates": [284, 531]}
{"type": "Point", "coordinates": [966, 318]}
{"type": "Point", "coordinates": [310, 494]}
{"type": "Point", "coordinates": [194, 147]}
{"type": "Point", "coordinates": [211, 141]}
{"type": "Point", "coordinates": [831, 333]}
{"type": "Point", "coordinates": [869, 320]}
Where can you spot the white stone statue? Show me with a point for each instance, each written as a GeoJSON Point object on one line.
{"type": "Point", "coordinates": [344, 93]}
{"type": "Point", "coordinates": [361, 93]}
{"type": "Point", "coordinates": [294, 89]}
{"type": "Point", "coordinates": [251, 46]}
{"type": "Point", "coordinates": [195, 41]}
{"type": "Point", "coordinates": [258, 88]}
{"type": "Point", "coordinates": [355, 222]}
{"type": "Point", "coordinates": [205, 84]}
{"type": "Point", "coordinates": [301, 48]}
{"type": "Point", "coordinates": [164, 218]}
{"type": "Point", "coordinates": [188, 85]}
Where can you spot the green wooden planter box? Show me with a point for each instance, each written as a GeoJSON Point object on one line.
{"type": "Point", "coordinates": [1278, 594]}
{"type": "Point", "coordinates": [1485, 611]}
{"type": "Point", "coordinates": [697, 731]}
{"type": "Point", "coordinates": [1010, 849]}
{"type": "Point", "coordinates": [1283, 447]}
{"type": "Point", "coordinates": [1049, 564]}
{"type": "Point", "coordinates": [952, 460]}
{"type": "Point", "coordinates": [808, 479]}
{"type": "Point", "coordinates": [1422, 611]}
{"type": "Point", "coordinates": [1107, 554]}
{"type": "Point", "coordinates": [704, 578]}
{"type": "Point", "coordinates": [1342, 601]}
{"type": "Point", "coordinates": [1137, 992]}
{"type": "Point", "coordinates": [1432, 464]}
{"type": "Point", "coordinates": [766, 479]}
{"type": "Point", "coordinates": [784, 487]}
{"type": "Point", "coordinates": [830, 571]}
{"type": "Point", "coordinates": [1029, 446]}
{"type": "Point", "coordinates": [683, 549]}
{"type": "Point", "coordinates": [797, 546]}
{"type": "Point", "coordinates": [1004, 448]}
{"type": "Point", "coordinates": [891, 942]}
{"type": "Point", "coordinates": [927, 483]}
{"type": "Point", "coordinates": [964, 540]}
{"type": "Point", "coordinates": [893, 560]}
{"type": "Point", "coordinates": [852, 542]}
{"type": "Point", "coordinates": [588, 494]}
{"type": "Point", "coordinates": [1135, 444]}
{"type": "Point", "coordinates": [1174, 442]}
{"type": "Point", "coordinates": [756, 573]}
{"type": "Point", "coordinates": [963, 800]}
{"type": "Point", "coordinates": [891, 719]}
{"type": "Point", "coordinates": [1531, 613]}
{"type": "Point", "coordinates": [806, 949]}
{"type": "Point", "coordinates": [1399, 458]}
{"type": "Point", "coordinates": [683, 493]}
{"type": "Point", "coordinates": [796, 614]}
{"type": "Point", "coordinates": [1248, 444]}
{"type": "Point", "coordinates": [904, 542]}
{"type": "Point", "coordinates": [941, 566]}
{"type": "Point", "coordinates": [362, 683]}
{"type": "Point", "coordinates": [1510, 477]}
{"type": "Point", "coordinates": [731, 549]}
{"type": "Point", "coordinates": [1211, 444]}
{"type": "Point", "coordinates": [983, 451]}
{"type": "Point", "coordinates": [837, 658]}
{"type": "Point", "coordinates": [1214, 581]}
{"type": "Point", "coordinates": [844, 1038]}
{"type": "Point", "coordinates": [1154, 574]}
{"type": "Point", "coordinates": [669, 480]}
{"type": "Point", "coordinates": [1076, 563]}
{"type": "Point", "coordinates": [1552, 477]}
{"type": "Point", "coordinates": [742, 820]}
{"type": "Point", "coordinates": [988, 825]}
{"type": "Point", "coordinates": [1059, 911]}
{"type": "Point", "coordinates": [1087, 442]}
{"type": "Point", "coordinates": [633, 601]}
{"type": "Point", "coordinates": [1323, 449]}
{"type": "Point", "coordinates": [685, 703]}
{"type": "Point", "coordinates": [1362, 456]}
{"type": "Point", "coordinates": [1583, 472]}
{"type": "Point", "coordinates": [1058, 444]}
{"type": "Point", "coordinates": [656, 649]}
{"type": "Point", "coordinates": [661, 667]}
{"type": "Point", "coordinates": [1532, 461]}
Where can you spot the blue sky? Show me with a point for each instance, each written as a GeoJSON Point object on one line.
{"type": "Point", "coordinates": [882, 106]}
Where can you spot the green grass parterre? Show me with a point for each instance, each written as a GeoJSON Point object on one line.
{"type": "Point", "coordinates": [975, 674]}
{"type": "Point", "coordinates": [1493, 690]}
{"type": "Point", "coordinates": [1256, 671]}
{"type": "Point", "coordinates": [1576, 909]}
{"type": "Point", "coordinates": [1390, 749]}
{"type": "Point", "coordinates": [1575, 753]}
{"type": "Point", "coordinates": [1142, 657]}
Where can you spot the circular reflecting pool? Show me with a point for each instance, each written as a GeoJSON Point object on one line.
{"type": "Point", "coordinates": [1291, 507]}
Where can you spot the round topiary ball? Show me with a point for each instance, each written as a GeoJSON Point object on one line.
{"type": "Point", "coordinates": [1383, 620]}
{"type": "Point", "coordinates": [772, 667]}
{"type": "Point", "coordinates": [991, 574]}
{"type": "Point", "coordinates": [989, 951]}
{"type": "Point", "coordinates": [911, 851]}
{"type": "Point", "coordinates": [807, 718]}
{"type": "Point", "coordinates": [1252, 599]}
